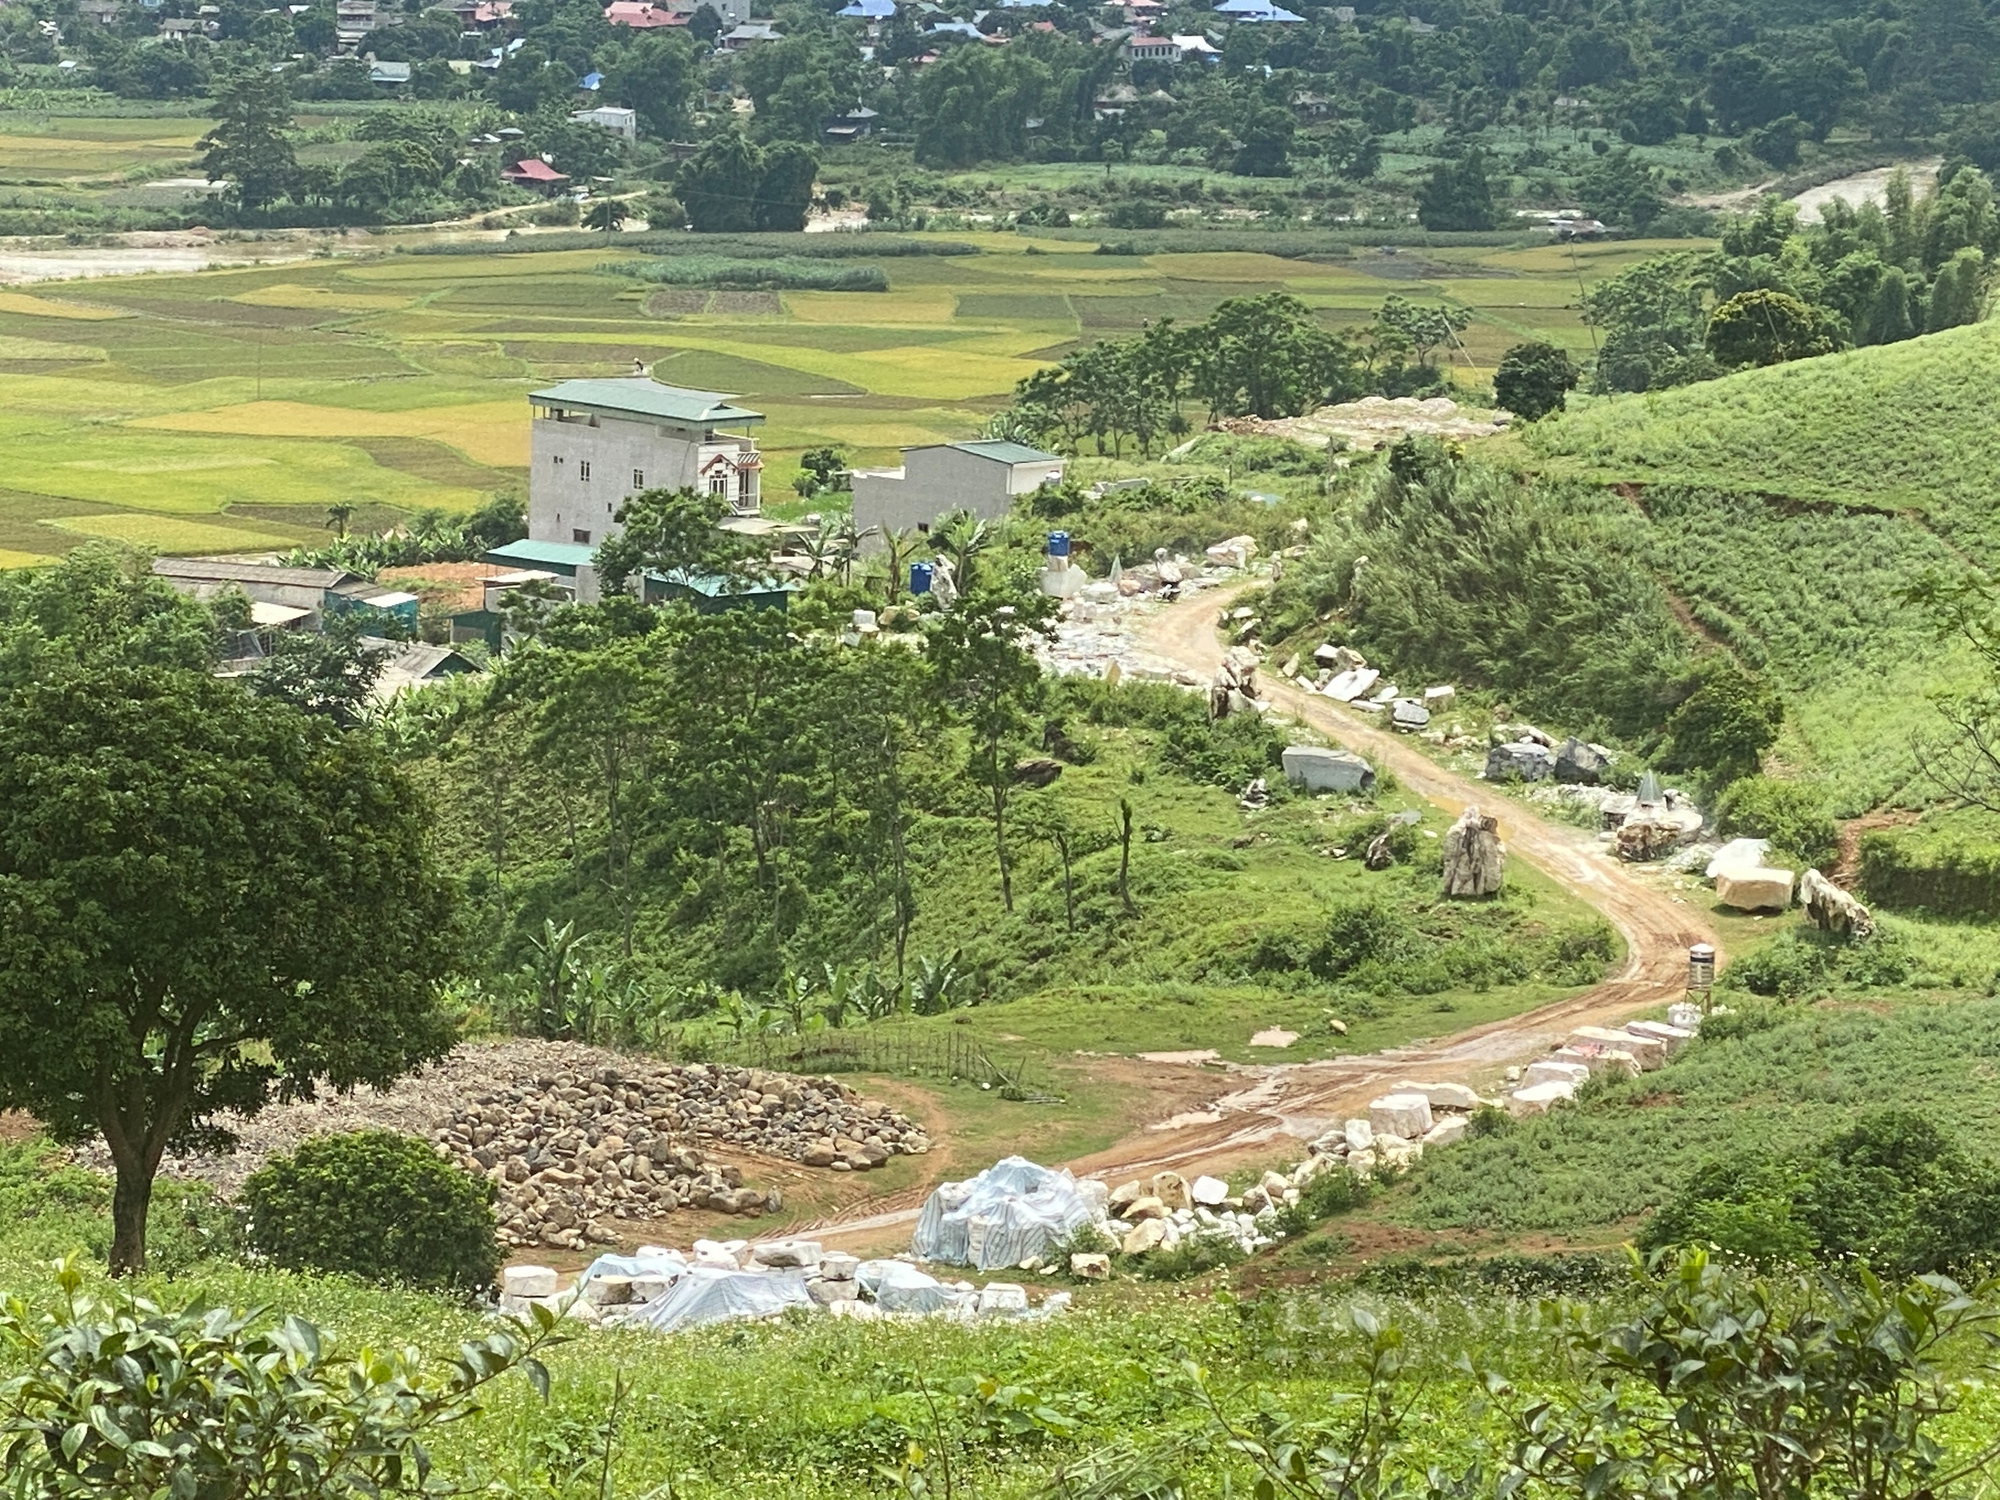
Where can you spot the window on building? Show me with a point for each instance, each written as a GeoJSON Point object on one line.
{"type": "Point", "coordinates": [581, 538]}
{"type": "Point", "coordinates": [718, 484]}
{"type": "Point", "coordinates": [638, 479]}
{"type": "Point", "coordinates": [583, 469]}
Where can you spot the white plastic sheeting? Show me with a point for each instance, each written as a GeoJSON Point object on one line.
{"type": "Point", "coordinates": [1009, 1212]}
{"type": "Point", "coordinates": [712, 1295]}
{"type": "Point", "coordinates": [647, 1260]}
{"type": "Point", "coordinates": [899, 1287]}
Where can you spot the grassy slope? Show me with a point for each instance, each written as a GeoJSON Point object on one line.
{"type": "Point", "coordinates": [172, 409]}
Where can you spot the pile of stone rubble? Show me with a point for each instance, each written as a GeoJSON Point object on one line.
{"type": "Point", "coordinates": [572, 1149]}
{"type": "Point", "coordinates": [1634, 1048]}
{"type": "Point", "coordinates": [1399, 1127]}
{"type": "Point", "coordinates": [1166, 1210]}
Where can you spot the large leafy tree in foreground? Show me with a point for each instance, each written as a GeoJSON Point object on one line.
{"type": "Point", "coordinates": [206, 899]}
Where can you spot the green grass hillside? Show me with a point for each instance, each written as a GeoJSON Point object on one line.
{"type": "Point", "coordinates": [1902, 428]}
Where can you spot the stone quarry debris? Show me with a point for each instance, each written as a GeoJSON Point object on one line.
{"type": "Point", "coordinates": [1738, 854]}
{"type": "Point", "coordinates": [1338, 658]}
{"type": "Point", "coordinates": [1350, 684]}
{"type": "Point", "coordinates": [1235, 552]}
{"type": "Point", "coordinates": [1408, 714]}
{"type": "Point", "coordinates": [1474, 862]}
{"type": "Point", "coordinates": [1234, 690]}
{"type": "Point", "coordinates": [1317, 768]}
{"type": "Point", "coordinates": [1010, 1212]}
{"type": "Point", "coordinates": [1754, 888]}
{"type": "Point", "coordinates": [1832, 909]}
{"type": "Point", "coordinates": [1581, 764]}
{"type": "Point", "coordinates": [1380, 853]}
{"type": "Point", "coordinates": [1519, 760]}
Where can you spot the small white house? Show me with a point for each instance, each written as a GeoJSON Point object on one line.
{"type": "Point", "coordinates": [982, 476]}
{"type": "Point", "coordinates": [623, 123]}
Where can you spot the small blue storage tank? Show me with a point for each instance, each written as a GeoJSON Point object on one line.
{"type": "Point", "coordinates": [920, 577]}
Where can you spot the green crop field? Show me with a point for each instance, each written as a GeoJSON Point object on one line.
{"type": "Point", "coordinates": [227, 410]}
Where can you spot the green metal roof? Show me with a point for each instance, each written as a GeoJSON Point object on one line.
{"type": "Point", "coordinates": [643, 396]}
{"type": "Point", "coordinates": [570, 555]}
{"type": "Point", "coordinates": [1005, 452]}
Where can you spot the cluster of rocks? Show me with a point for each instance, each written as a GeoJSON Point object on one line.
{"type": "Point", "coordinates": [1167, 1210]}
{"type": "Point", "coordinates": [1398, 1128]}
{"type": "Point", "coordinates": [1743, 879]}
{"type": "Point", "coordinates": [1521, 752]}
{"type": "Point", "coordinates": [1343, 674]}
{"type": "Point", "coordinates": [1636, 1047]}
{"type": "Point", "coordinates": [570, 1149]}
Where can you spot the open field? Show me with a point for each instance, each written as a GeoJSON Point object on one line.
{"type": "Point", "coordinates": [247, 401]}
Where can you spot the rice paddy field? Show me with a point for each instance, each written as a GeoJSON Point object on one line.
{"type": "Point", "coordinates": [228, 409]}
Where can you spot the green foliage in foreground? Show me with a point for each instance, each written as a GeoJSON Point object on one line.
{"type": "Point", "coordinates": [783, 273]}
{"type": "Point", "coordinates": [1629, 1146]}
{"type": "Point", "coordinates": [377, 1205]}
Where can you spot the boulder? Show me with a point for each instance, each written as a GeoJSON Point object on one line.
{"type": "Point", "coordinates": [1599, 1060]}
{"type": "Point", "coordinates": [834, 1266]}
{"type": "Point", "coordinates": [1554, 1070]}
{"type": "Point", "coordinates": [1686, 1015]}
{"type": "Point", "coordinates": [1646, 1052]}
{"type": "Point", "coordinates": [1539, 1098]}
{"type": "Point", "coordinates": [1738, 854]}
{"type": "Point", "coordinates": [1756, 888]}
{"type": "Point", "coordinates": [1394, 1151]}
{"type": "Point", "coordinates": [1407, 714]}
{"type": "Point", "coordinates": [1380, 853]}
{"type": "Point", "coordinates": [1451, 1128]}
{"type": "Point", "coordinates": [1438, 699]}
{"type": "Point", "coordinates": [1581, 764]}
{"type": "Point", "coordinates": [1405, 1115]}
{"type": "Point", "coordinates": [1172, 1190]}
{"type": "Point", "coordinates": [1502, 734]}
{"type": "Point", "coordinates": [1089, 1265]}
{"type": "Point", "coordinates": [1442, 1095]}
{"type": "Point", "coordinates": [1672, 1038]}
{"type": "Point", "coordinates": [608, 1291]}
{"type": "Point", "coordinates": [1360, 1135]}
{"type": "Point", "coordinates": [1143, 1209]}
{"type": "Point", "coordinates": [1274, 1185]}
{"type": "Point", "coordinates": [827, 1292]}
{"type": "Point", "coordinates": [787, 1254]}
{"type": "Point", "coordinates": [1234, 552]}
{"type": "Point", "coordinates": [1339, 658]}
{"type": "Point", "coordinates": [1651, 832]}
{"type": "Point", "coordinates": [1520, 760]}
{"type": "Point", "coordinates": [1351, 684]}
{"type": "Point", "coordinates": [1832, 909]}
{"type": "Point", "coordinates": [1038, 771]}
{"type": "Point", "coordinates": [1209, 1192]}
{"type": "Point", "coordinates": [1003, 1297]}
{"type": "Point", "coordinates": [1319, 769]}
{"type": "Point", "coordinates": [528, 1281]}
{"type": "Point", "coordinates": [1123, 1197]}
{"type": "Point", "coordinates": [1143, 1237]}
{"type": "Point", "coordinates": [1361, 1163]}
{"type": "Point", "coordinates": [1474, 863]}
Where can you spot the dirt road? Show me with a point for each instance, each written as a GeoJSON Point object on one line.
{"type": "Point", "coordinates": [1259, 1106]}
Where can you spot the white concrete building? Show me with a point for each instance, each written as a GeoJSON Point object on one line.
{"type": "Point", "coordinates": [593, 443]}
{"type": "Point", "coordinates": [623, 123]}
{"type": "Point", "coordinates": [982, 477]}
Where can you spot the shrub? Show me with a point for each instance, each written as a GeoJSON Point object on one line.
{"type": "Point", "coordinates": [1795, 816]}
{"type": "Point", "coordinates": [1801, 962]}
{"type": "Point", "coordinates": [1946, 872]}
{"type": "Point", "coordinates": [1193, 1255]}
{"type": "Point", "coordinates": [377, 1205]}
{"type": "Point", "coordinates": [1564, 1274]}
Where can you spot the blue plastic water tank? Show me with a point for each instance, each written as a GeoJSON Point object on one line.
{"type": "Point", "coordinates": [1058, 544]}
{"type": "Point", "coordinates": [920, 577]}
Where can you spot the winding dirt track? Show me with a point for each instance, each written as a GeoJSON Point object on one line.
{"type": "Point", "coordinates": [1265, 1103]}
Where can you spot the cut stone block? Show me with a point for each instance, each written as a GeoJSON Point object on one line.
{"type": "Point", "coordinates": [1003, 1297]}
{"type": "Point", "coordinates": [1755, 888]}
{"type": "Point", "coordinates": [834, 1266]}
{"type": "Point", "coordinates": [1360, 1135]}
{"type": "Point", "coordinates": [1406, 1115]}
{"type": "Point", "coordinates": [1605, 1060]}
{"type": "Point", "coordinates": [1318, 768]}
{"type": "Point", "coordinates": [528, 1281]}
{"type": "Point", "coordinates": [1673, 1038]}
{"type": "Point", "coordinates": [1539, 1098]}
{"type": "Point", "coordinates": [1209, 1191]}
{"type": "Point", "coordinates": [1553, 1070]}
{"type": "Point", "coordinates": [1442, 1095]}
{"type": "Point", "coordinates": [1451, 1128]}
{"type": "Point", "coordinates": [1088, 1265]}
{"type": "Point", "coordinates": [1648, 1054]}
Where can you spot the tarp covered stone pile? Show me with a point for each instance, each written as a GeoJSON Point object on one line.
{"type": "Point", "coordinates": [1014, 1211]}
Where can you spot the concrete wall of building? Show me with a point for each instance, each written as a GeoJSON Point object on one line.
{"type": "Point", "coordinates": [933, 483]}
{"type": "Point", "coordinates": [581, 470]}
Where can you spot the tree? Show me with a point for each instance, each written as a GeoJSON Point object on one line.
{"type": "Point", "coordinates": [672, 532]}
{"type": "Point", "coordinates": [1533, 380]}
{"type": "Point", "coordinates": [606, 214]}
{"type": "Point", "coordinates": [216, 1402]}
{"type": "Point", "coordinates": [1623, 191]}
{"type": "Point", "coordinates": [979, 652]}
{"type": "Point", "coordinates": [1458, 196]}
{"type": "Point", "coordinates": [1268, 356]}
{"type": "Point", "coordinates": [1654, 315]}
{"type": "Point", "coordinates": [247, 147]}
{"type": "Point", "coordinates": [329, 672]}
{"type": "Point", "coordinates": [210, 899]}
{"type": "Point", "coordinates": [1724, 725]}
{"type": "Point", "coordinates": [654, 75]}
{"type": "Point", "coordinates": [1766, 327]}
{"type": "Point", "coordinates": [1425, 329]}
{"type": "Point", "coordinates": [785, 190]}
{"type": "Point", "coordinates": [719, 184]}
